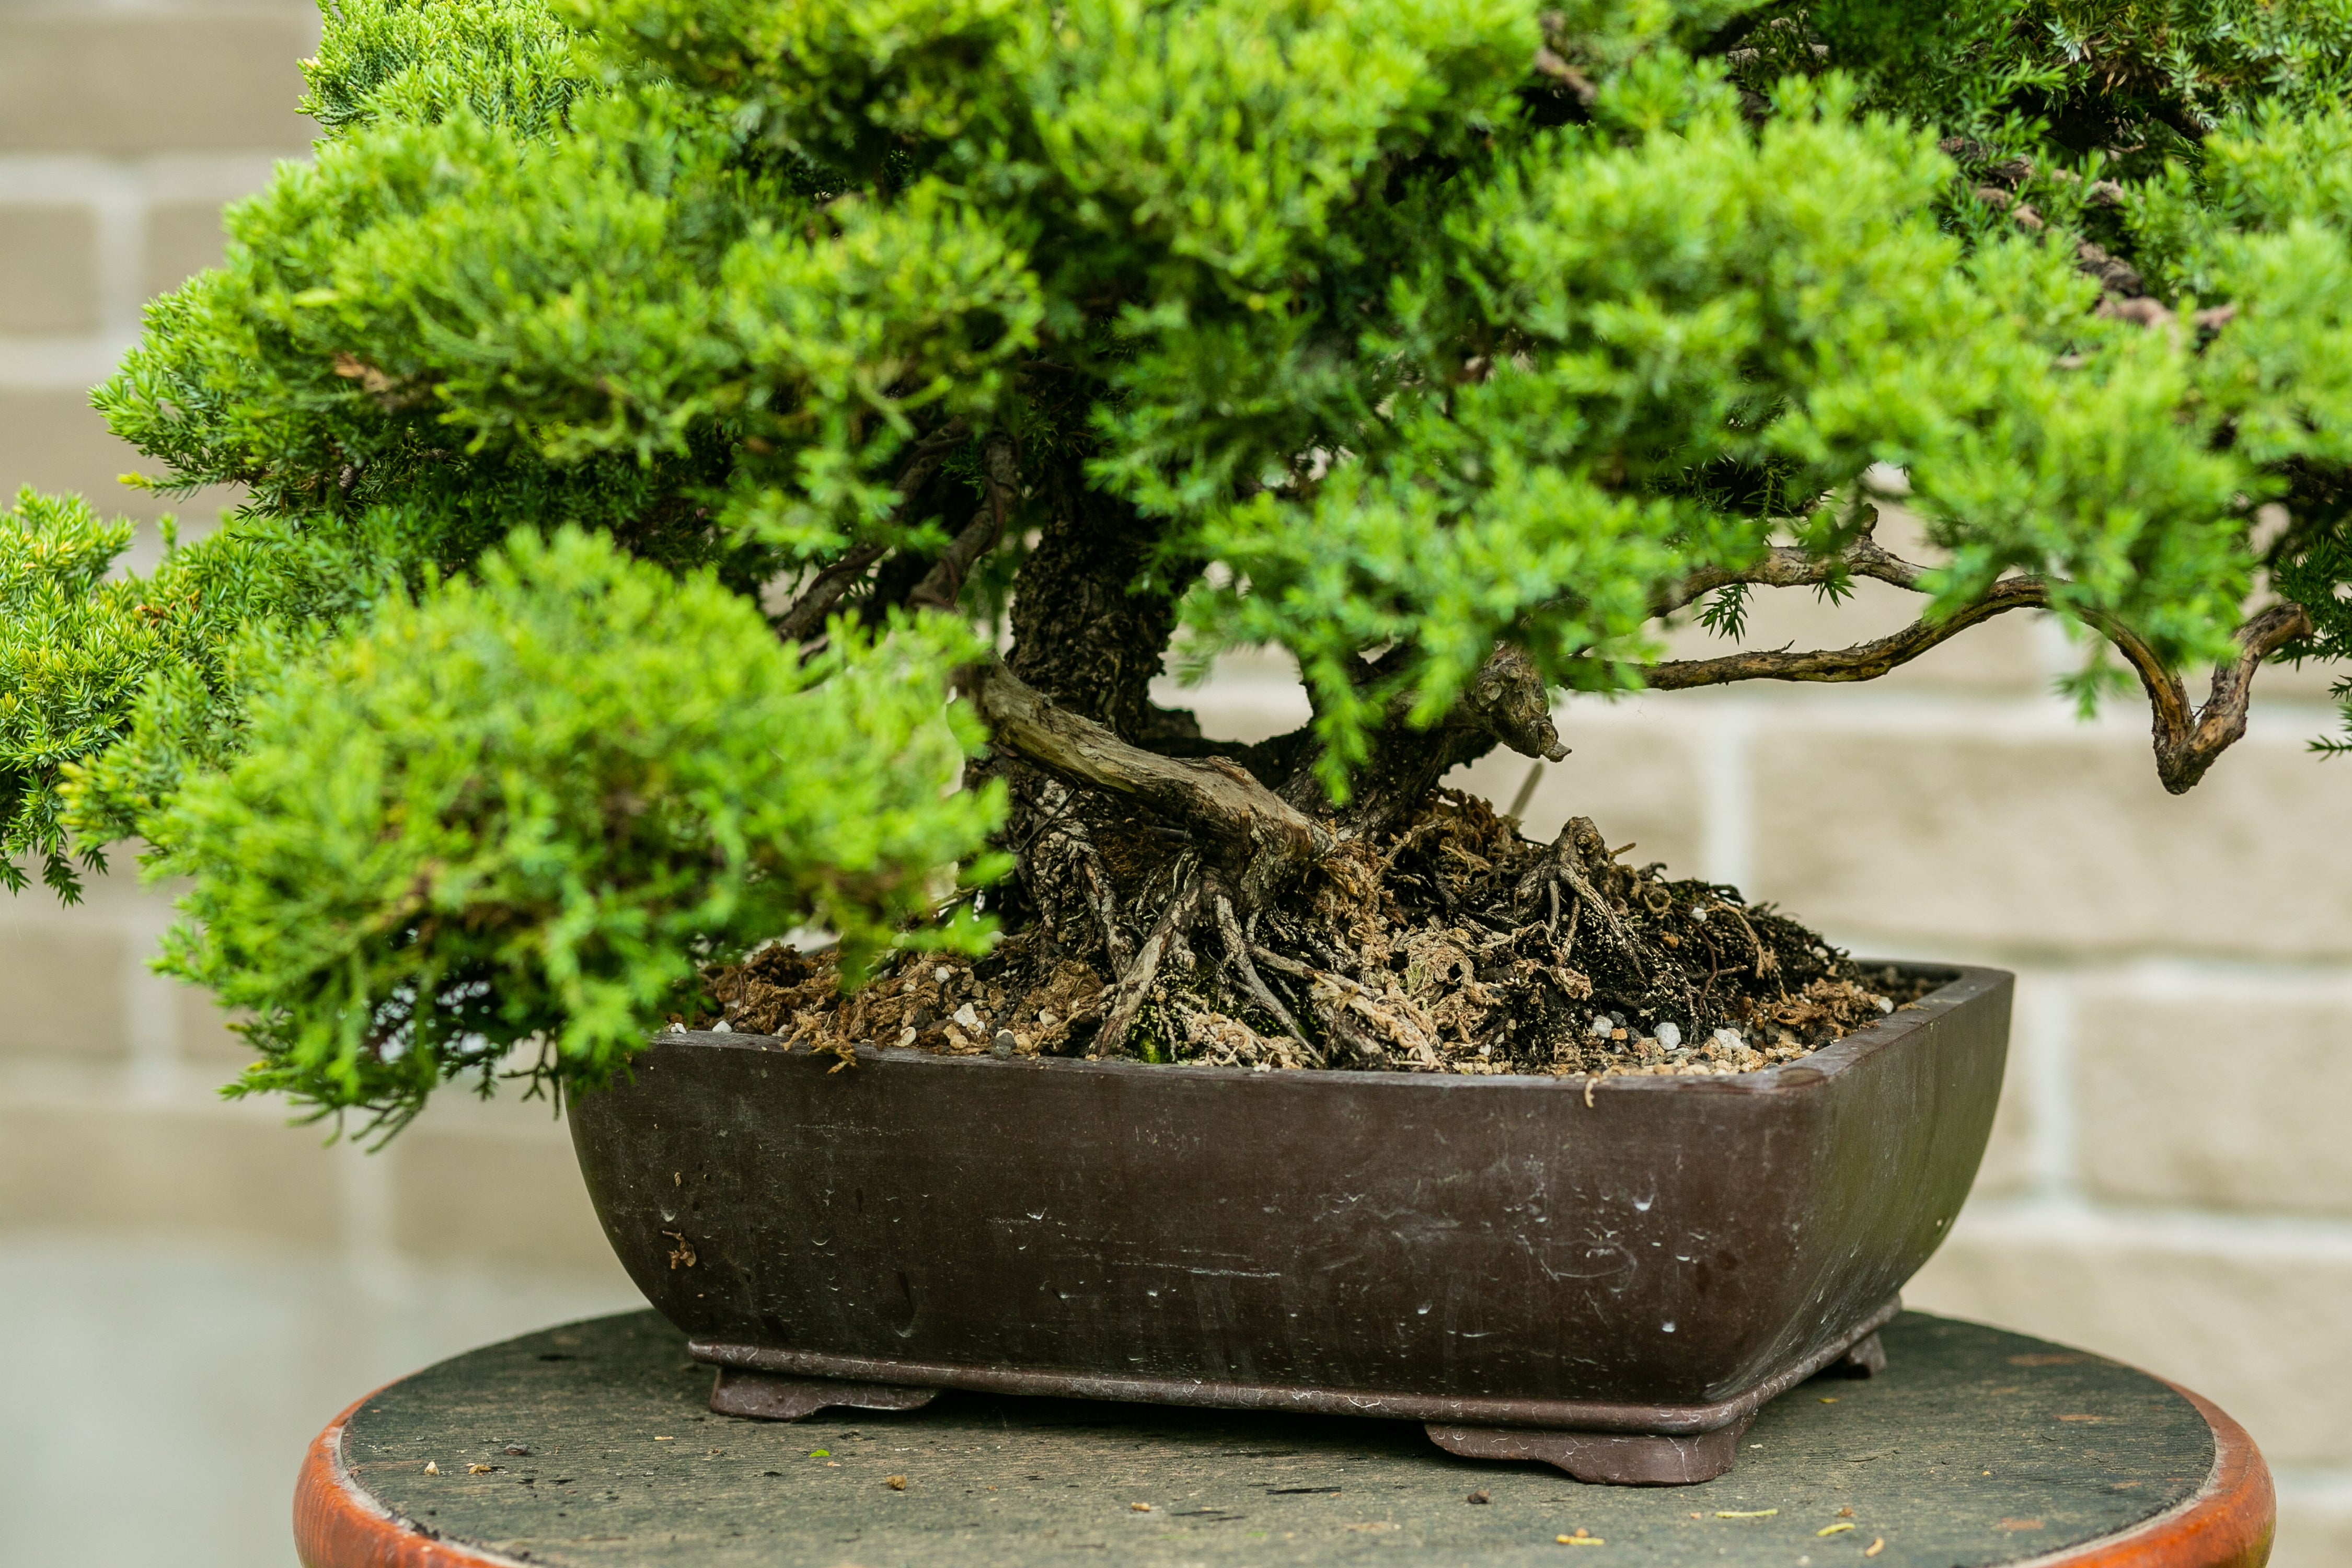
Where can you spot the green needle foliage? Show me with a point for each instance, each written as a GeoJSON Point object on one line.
{"type": "Point", "coordinates": [522, 806]}
{"type": "Point", "coordinates": [598, 345]}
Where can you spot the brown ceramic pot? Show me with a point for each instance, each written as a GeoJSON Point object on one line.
{"type": "Point", "coordinates": [1611, 1274]}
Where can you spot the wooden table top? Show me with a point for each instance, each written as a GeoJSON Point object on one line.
{"type": "Point", "coordinates": [591, 1446]}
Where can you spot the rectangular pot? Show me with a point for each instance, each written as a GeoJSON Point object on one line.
{"type": "Point", "coordinates": [1626, 1255]}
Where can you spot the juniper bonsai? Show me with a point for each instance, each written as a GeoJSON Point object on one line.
{"type": "Point", "coordinates": [727, 469]}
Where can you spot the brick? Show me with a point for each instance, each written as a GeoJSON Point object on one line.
{"type": "Point", "coordinates": [49, 269]}
{"type": "Point", "coordinates": [494, 1184]}
{"type": "Point", "coordinates": [2060, 841]}
{"type": "Point", "coordinates": [2215, 1101]}
{"type": "Point", "coordinates": [62, 986]}
{"type": "Point", "coordinates": [183, 238]}
{"type": "Point", "coordinates": [150, 83]}
{"type": "Point", "coordinates": [2259, 1333]}
{"type": "Point", "coordinates": [165, 1169]}
{"type": "Point", "coordinates": [53, 440]}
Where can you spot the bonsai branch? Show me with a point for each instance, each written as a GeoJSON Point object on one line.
{"type": "Point", "coordinates": [2187, 741]}
{"type": "Point", "coordinates": [1863, 661]}
{"type": "Point", "coordinates": [1785, 567]}
{"type": "Point", "coordinates": [806, 616]}
{"type": "Point", "coordinates": [943, 584]}
{"type": "Point", "coordinates": [1254, 832]}
{"type": "Point", "coordinates": [1506, 702]}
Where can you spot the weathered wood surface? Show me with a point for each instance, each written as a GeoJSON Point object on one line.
{"type": "Point", "coordinates": [1976, 1447]}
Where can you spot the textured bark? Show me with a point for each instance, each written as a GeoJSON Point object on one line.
{"type": "Point", "coordinates": [1081, 636]}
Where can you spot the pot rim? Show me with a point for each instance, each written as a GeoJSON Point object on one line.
{"type": "Point", "coordinates": [1964, 983]}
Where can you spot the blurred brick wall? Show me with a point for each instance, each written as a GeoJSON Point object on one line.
{"type": "Point", "coordinates": [2170, 1180]}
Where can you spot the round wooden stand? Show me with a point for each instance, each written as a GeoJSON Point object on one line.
{"type": "Point", "coordinates": [594, 1447]}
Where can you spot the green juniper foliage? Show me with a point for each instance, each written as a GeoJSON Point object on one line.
{"type": "Point", "coordinates": [522, 806]}
{"type": "Point", "coordinates": [642, 404]}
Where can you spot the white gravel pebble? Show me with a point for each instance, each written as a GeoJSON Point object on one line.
{"type": "Point", "coordinates": [1728, 1039]}
{"type": "Point", "coordinates": [968, 1018]}
{"type": "Point", "coordinates": [1602, 1027]}
{"type": "Point", "coordinates": [1670, 1035]}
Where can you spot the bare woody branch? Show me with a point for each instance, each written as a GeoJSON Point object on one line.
{"type": "Point", "coordinates": [806, 616]}
{"type": "Point", "coordinates": [2186, 739]}
{"type": "Point", "coordinates": [943, 584]}
{"type": "Point", "coordinates": [1863, 661]}
{"type": "Point", "coordinates": [1785, 567]}
{"type": "Point", "coordinates": [1248, 827]}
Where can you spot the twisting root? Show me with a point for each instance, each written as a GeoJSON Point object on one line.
{"type": "Point", "coordinates": [1126, 995]}
{"type": "Point", "coordinates": [1237, 954]}
{"type": "Point", "coordinates": [1060, 859]}
{"type": "Point", "coordinates": [1335, 1019]}
{"type": "Point", "coordinates": [1091, 865]}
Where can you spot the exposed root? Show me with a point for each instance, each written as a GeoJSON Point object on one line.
{"type": "Point", "coordinates": [1449, 945]}
{"type": "Point", "coordinates": [1237, 953]}
{"type": "Point", "coordinates": [1127, 994]}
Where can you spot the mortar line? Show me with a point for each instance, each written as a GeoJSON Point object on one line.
{"type": "Point", "coordinates": [119, 205]}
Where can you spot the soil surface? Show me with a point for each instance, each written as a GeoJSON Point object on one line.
{"type": "Point", "coordinates": [1452, 944]}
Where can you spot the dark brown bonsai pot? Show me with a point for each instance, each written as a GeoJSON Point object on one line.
{"type": "Point", "coordinates": [1611, 1274]}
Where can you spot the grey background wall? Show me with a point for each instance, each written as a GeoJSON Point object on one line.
{"type": "Point", "coordinates": [2170, 1180]}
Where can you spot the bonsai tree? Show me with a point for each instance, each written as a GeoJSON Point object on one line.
{"type": "Point", "coordinates": [723, 471]}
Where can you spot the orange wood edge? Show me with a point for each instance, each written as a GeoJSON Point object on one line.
{"type": "Point", "coordinates": [337, 1525]}
{"type": "Point", "coordinates": [2227, 1524]}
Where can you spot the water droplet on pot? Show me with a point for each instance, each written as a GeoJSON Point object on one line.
{"type": "Point", "coordinates": [1668, 1325]}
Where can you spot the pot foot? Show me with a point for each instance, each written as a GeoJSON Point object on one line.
{"type": "Point", "coordinates": [769, 1396]}
{"type": "Point", "coordinates": [1865, 1358]}
{"type": "Point", "coordinates": [1609, 1458]}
